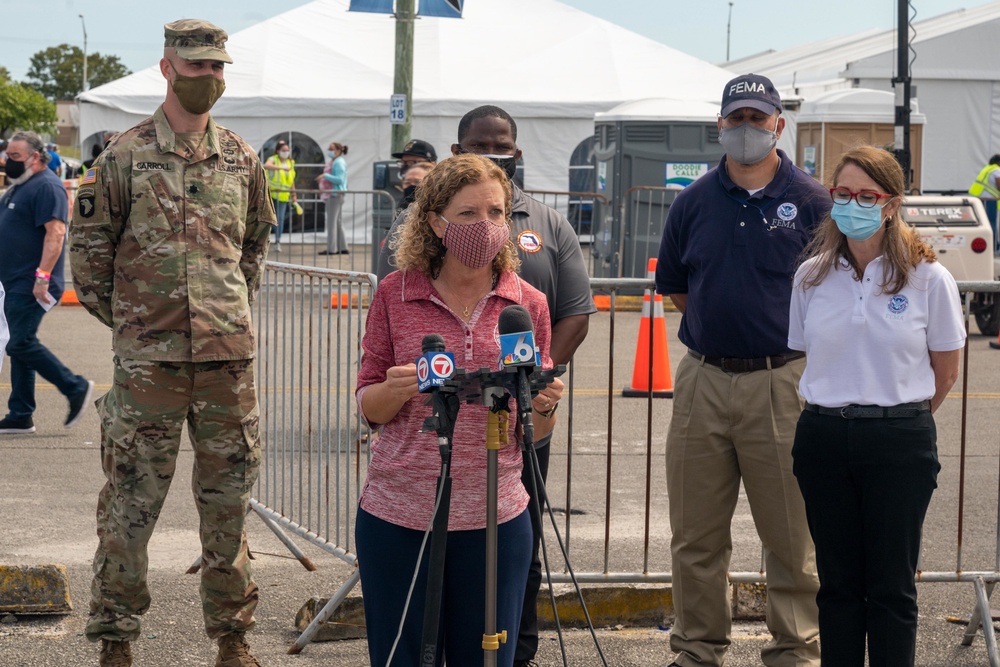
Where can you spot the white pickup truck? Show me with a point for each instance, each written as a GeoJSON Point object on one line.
{"type": "Point", "coordinates": [960, 233]}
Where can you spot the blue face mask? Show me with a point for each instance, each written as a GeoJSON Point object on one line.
{"type": "Point", "coordinates": [856, 222]}
{"type": "Point", "coordinates": [331, 154]}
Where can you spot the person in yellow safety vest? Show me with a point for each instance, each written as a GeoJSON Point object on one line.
{"type": "Point", "coordinates": [987, 188]}
{"type": "Point", "coordinates": [280, 169]}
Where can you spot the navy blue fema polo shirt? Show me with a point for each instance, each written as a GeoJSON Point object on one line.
{"type": "Point", "coordinates": [734, 256]}
{"type": "Point", "coordinates": [24, 210]}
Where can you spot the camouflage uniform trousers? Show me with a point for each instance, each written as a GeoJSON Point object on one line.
{"type": "Point", "coordinates": [141, 421]}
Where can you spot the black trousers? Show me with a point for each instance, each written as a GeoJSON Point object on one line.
{"type": "Point", "coordinates": [527, 635]}
{"type": "Point", "coordinates": [866, 484]}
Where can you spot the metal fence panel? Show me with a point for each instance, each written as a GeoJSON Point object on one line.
{"type": "Point", "coordinates": [309, 327]}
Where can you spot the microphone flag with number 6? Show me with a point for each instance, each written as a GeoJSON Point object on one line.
{"type": "Point", "coordinates": [517, 338]}
{"type": "Point", "coordinates": [434, 366]}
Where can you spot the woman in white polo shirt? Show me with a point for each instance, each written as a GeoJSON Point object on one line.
{"type": "Point", "coordinates": [881, 324]}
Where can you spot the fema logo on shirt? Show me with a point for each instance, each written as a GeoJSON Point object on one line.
{"type": "Point", "coordinates": [897, 304]}
{"type": "Point", "coordinates": [788, 211]}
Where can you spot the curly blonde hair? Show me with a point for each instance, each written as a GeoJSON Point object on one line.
{"type": "Point", "coordinates": [902, 247]}
{"type": "Point", "coordinates": [416, 245]}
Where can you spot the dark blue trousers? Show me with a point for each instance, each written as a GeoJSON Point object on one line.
{"type": "Point", "coordinates": [28, 356]}
{"type": "Point", "coordinates": [387, 554]}
{"type": "Point", "coordinates": [866, 485]}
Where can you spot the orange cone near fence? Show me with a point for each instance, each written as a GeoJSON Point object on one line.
{"type": "Point", "coordinates": [651, 330]}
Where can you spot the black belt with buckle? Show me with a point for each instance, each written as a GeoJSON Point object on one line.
{"type": "Point", "coordinates": [903, 410]}
{"type": "Point", "coordinates": [737, 365]}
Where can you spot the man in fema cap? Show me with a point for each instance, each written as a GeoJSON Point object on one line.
{"type": "Point", "coordinates": [727, 259]}
{"type": "Point", "coordinates": [167, 247]}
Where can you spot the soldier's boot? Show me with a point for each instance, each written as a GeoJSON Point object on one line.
{"type": "Point", "coordinates": [235, 652]}
{"type": "Point", "coordinates": [115, 654]}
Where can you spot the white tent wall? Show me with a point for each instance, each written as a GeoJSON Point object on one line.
{"type": "Point", "coordinates": [955, 74]}
{"type": "Point", "coordinates": [326, 72]}
{"type": "Point", "coordinates": [956, 145]}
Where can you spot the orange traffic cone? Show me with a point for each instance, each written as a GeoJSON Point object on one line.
{"type": "Point", "coordinates": [652, 338]}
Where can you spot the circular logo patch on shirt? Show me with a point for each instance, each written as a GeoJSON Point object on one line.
{"type": "Point", "coordinates": [788, 211]}
{"type": "Point", "coordinates": [529, 241]}
{"type": "Point", "coordinates": [898, 304]}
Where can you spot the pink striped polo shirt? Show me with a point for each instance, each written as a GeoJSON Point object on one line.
{"type": "Point", "coordinates": [402, 474]}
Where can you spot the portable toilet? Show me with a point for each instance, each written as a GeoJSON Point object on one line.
{"type": "Point", "coordinates": [832, 123]}
{"type": "Point", "coordinates": [645, 152]}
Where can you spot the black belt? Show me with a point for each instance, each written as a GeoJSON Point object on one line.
{"type": "Point", "coordinates": [736, 365]}
{"type": "Point", "coordinates": [873, 411]}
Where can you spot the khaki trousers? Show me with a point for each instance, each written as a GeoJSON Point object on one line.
{"type": "Point", "coordinates": [727, 427]}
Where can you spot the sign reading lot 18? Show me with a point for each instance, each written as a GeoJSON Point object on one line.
{"type": "Point", "coordinates": [397, 109]}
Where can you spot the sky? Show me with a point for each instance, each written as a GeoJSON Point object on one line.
{"type": "Point", "coordinates": [115, 27]}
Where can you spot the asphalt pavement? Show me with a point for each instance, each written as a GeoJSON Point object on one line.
{"type": "Point", "coordinates": [49, 482]}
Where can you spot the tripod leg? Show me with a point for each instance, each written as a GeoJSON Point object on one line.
{"type": "Point", "coordinates": [527, 636]}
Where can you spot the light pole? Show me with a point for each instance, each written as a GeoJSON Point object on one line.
{"type": "Point", "coordinates": [83, 23]}
{"type": "Point", "coordinates": [729, 24]}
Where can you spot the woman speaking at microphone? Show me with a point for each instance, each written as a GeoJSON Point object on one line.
{"type": "Point", "coordinates": [456, 274]}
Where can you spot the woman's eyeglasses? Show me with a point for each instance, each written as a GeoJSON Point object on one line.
{"type": "Point", "coordinates": [865, 198]}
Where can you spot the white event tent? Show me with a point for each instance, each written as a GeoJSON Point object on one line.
{"type": "Point", "coordinates": [955, 73]}
{"type": "Point", "coordinates": [327, 73]}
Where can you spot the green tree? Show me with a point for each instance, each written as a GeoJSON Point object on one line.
{"type": "Point", "coordinates": [57, 72]}
{"type": "Point", "coordinates": [23, 108]}
{"type": "Point", "coordinates": [4, 73]}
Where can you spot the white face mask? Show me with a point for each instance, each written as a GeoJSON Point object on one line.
{"type": "Point", "coordinates": [747, 143]}
{"type": "Point", "coordinates": [284, 154]}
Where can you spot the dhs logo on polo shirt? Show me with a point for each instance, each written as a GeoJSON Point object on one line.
{"type": "Point", "coordinates": [786, 212]}
{"type": "Point", "coordinates": [897, 306]}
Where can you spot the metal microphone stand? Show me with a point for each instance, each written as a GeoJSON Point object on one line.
{"type": "Point", "coordinates": [445, 404]}
{"type": "Point", "coordinates": [497, 422]}
{"type": "Point", "coordinates": [489, 387]}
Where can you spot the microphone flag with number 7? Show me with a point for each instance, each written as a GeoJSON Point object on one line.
{"type": "Point", "coordinates": [434, 366]}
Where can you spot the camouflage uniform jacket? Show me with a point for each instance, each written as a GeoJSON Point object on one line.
{"type": "Point", "coordinates": [168, 250]}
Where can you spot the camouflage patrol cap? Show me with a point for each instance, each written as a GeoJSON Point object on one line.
{"type": "Point", "coordinates": [194, 39]}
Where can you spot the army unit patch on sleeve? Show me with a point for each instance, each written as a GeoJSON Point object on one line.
{"type": "Point", "coordinates": [85, 204]}
{"type": "Point", "coordinates": [89, 177]}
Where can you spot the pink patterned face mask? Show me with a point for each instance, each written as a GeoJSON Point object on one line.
{"type": "Point", "coordinates": [475, 244]}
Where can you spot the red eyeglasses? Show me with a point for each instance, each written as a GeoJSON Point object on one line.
{"type": "Point", "coordinates": [865, 198]}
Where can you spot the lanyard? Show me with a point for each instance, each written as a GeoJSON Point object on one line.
{"type": "Point", "coordinates": [748, 202]}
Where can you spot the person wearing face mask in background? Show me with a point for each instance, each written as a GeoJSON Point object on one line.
{"type": "Point", "coordinates": [280, 169]}
{"type": "Point", "coordinates": [167, 246]}
{"type": "Point", "coordinates": [880, 321]}
{"type": "Point", "coordinates": [411, 179]}
{"type": "Point", "coordinates": [727, 256]}
{"type": "Point", "coordinates": [552, 262]}
{"type": "Point", "coordinates": [333, 181]}
{"type": "Point", "coordinates": [414, 152]}
{"type": "Point", "coordinates": [33, 216]}
{"type": "Point", "coordinates": [457, 272]}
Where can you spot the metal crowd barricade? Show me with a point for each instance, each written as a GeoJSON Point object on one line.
{"type": "Point", "coordinates": [316, 453]}
{"type": "Point", "coordinates": [309, 324]}
{"type": "Point", "coordinates": [983, 580]}
{"type": "Point", "coordinates": [365, 217]}
{"type": "Point", "coordinates": [582, 209]}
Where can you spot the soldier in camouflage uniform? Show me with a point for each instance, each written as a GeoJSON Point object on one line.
{"type": "Point", "coordinates": [167, 247]}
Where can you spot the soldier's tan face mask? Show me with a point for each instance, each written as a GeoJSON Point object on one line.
{"type": "Point", "coordinates": [197, 94]}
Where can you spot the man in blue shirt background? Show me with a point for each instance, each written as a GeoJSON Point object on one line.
{"type": "Point", "coordinates": [33, 218]}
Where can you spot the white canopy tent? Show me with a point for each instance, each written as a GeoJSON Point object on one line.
{"type": "Point", "coordinates": [955, 73]}
{"type": "Point", "coordinates": [327, 73]}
